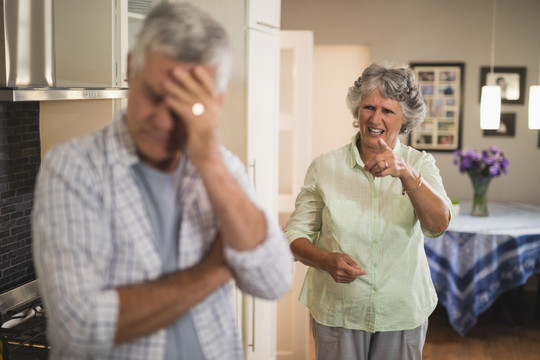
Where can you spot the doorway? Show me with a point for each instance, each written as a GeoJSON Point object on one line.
{"type": "Point", "coordinates": [313, 119]}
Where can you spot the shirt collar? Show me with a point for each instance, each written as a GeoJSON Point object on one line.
{"type": "Point", "coordinates": [121, 147]}
{"type": "Point", "coordinates": [355, 154]}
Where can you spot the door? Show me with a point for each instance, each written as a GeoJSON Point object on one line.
{"type": "Point", "coordinates": [258, 315]}
{"type": "Point", "coordinates": [295, 133]}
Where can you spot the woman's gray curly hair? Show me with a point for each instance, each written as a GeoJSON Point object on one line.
{"type": "Point", "coordinates": [394, 82]}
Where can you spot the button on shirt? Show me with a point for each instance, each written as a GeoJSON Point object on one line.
{"type": "Point", "coordinates": [342, 208]}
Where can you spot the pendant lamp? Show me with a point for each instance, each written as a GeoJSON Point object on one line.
{"type": "Point", "coordinates": [534, 105]}
{"type": "Point", "coordinates": [490, 100]}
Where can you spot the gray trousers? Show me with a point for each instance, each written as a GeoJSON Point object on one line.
{"type": "Point", "coordinates": [335, 343]}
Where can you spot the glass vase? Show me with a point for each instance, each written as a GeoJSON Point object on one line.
{"type": "Point", "coordinates": [480, 187]}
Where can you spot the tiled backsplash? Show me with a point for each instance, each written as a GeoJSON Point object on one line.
{"type": "Point", "coordinates": [20, 157]}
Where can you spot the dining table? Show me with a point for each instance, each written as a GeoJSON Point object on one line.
{"type": "Point", "coordinates": [479, 258]}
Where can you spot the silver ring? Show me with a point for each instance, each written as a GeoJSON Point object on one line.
{"type": "Point", "coordinates": [197, 109]}
{"type": "Point", "coordinates": [385, 164]}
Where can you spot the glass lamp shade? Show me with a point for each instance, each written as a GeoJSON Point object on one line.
{"type": "Point", "coordinates": [490, 107]}
{"type": "Point", "coordinates": [534, 107]}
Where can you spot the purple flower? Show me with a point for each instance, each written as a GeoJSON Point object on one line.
{"type": "Point", "coordinates": [489, 162]}
{"type": "Point", "coordinates": [494, 170]}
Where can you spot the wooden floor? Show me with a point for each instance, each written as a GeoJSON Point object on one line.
{"type": "Point", "coordinates": [497, 336]}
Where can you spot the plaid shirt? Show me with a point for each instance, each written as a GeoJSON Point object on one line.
{"type": "Point", "coordinates": [91, 234]}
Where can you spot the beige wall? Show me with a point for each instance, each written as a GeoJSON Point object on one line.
{"type": "Point", "coordinates": [445, 31]}
{"type": "Point", "coordinates": [59, 121]}
{"type": "Point", "coordinates": [330, 84]}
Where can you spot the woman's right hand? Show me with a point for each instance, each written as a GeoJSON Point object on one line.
{"type": "Point", "coordinates": [342, 268]}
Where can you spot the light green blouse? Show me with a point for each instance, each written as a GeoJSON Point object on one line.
{"type": "Point", "coordinates": [342, 208]}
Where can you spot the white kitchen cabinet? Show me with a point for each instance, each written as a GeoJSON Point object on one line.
{"type": "Point", "coordinates": [264, 15]}
{"type": "Point", "coordinates": [263, 123]}
{"type": "Point", "coordinates": [87, 44]}
{"type": "Point", "coordinates": [249, 128]}
{"type": "Point", "coordinates": [263, 114]}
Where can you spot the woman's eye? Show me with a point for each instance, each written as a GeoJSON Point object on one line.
{"type": "Point", "coordinates": [369, 107]}
{"type": "Point", "coordinates": [388, 111]}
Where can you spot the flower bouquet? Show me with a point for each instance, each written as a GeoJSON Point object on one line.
{"type": "Point", "coordinates": [481, 168]}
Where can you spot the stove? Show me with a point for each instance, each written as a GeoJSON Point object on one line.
{"type": "Point", "coordinates": [23, 331]}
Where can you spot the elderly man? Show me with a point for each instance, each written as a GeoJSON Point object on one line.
{"type": "Point", "coordinates": [139, 227]}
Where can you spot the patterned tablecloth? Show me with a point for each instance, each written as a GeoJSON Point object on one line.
{"type": "Point", "coordinates": [479, 258]}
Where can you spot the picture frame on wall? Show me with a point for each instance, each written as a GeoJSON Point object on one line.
{"type": "Point", "coordinates": [507, 127]}
{"type": "Point", "coordinates": [442, 87]}
{"type": "Point", "coordinates": [510, 79]}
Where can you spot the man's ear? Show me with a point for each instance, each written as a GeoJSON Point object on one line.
{"type": "Point", "coordinates": [221, 98]}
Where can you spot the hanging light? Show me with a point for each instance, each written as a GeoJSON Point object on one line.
{"type": "Point", "coordinates": [534, 105]}
{"type": "Point", "coordinates": [490, 107]}
{"type": "Point", "coordinates": [490, 101]}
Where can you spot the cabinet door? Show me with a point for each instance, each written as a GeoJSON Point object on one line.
{"type": "Point", "coordinates": [264, 15]}
{"type": "Point", "coordinates": [263, 119]}
{"type": "Point", "coordinates": [233, 123]}
{"type": "Point", "coordinates": [85, 53]}
{"type": "Point", "coordinates": [263, 115]}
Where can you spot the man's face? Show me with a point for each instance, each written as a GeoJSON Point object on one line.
{"type": "Point", "coordinates": [159, 133]}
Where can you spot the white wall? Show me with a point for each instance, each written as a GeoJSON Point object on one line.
{"type": "Point", "coordinates": [332, 121]}
{"type": "Point", "coordinates": [444, 31]}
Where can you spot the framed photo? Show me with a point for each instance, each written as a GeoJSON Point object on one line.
{"type": "Point", "coordinates": [510, 79]}
{"type": "Point", "coordinates": [507, 127]}
{"type": "Point", "coordinates": [442, 87]}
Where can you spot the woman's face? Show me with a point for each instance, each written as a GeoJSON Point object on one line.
{"type": "Point", "coordinates": [379, 117]}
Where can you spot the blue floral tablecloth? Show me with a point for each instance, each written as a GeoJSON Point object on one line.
{"type": "Point", "coordinates": [479, 258]}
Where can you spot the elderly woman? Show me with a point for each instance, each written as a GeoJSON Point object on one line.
{"type": "Point", "coordinates": [360, 221]}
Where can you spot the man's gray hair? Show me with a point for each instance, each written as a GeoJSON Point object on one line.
{"type": "Point", "coordinates": [186, 34]}
{"type": "Point", "coordinates": [394, 82]}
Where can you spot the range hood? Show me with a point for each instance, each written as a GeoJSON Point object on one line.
{"type": "Point", "coordinates": [47, 94]}
{"type": "Point", "coordinates": [61, 50]}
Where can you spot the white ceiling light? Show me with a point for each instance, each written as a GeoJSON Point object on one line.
{"type": "Point", "coordinates": [534, 105]}
{"type": "Point", "coordinates": [490, 107]}
{"type": "Point", "coordinates": [490, 101]}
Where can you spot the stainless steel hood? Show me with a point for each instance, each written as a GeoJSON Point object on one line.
{"type": "Point", "coordinates": [49, 94]}
{"type": "Point", "coordinates": [60, 50]}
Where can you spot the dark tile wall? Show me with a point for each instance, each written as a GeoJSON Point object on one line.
{"type": "Point", "coordinates": [20, 157]}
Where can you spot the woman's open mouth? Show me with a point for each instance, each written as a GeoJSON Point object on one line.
{"type": "Point", "coordinates": [375, 131]}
